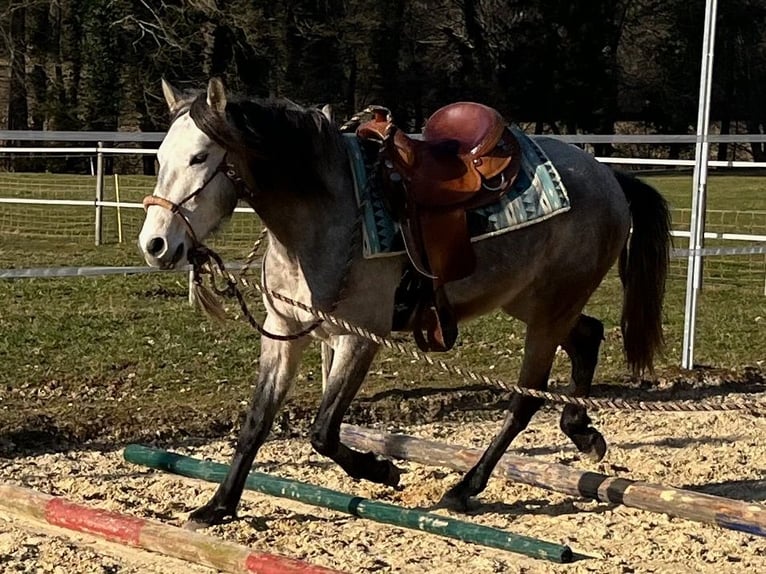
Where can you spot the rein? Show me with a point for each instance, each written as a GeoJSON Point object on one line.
{"type": "Point", "coordinates": [205, 261]}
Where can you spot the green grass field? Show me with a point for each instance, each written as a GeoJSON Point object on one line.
{"type": "Point", "coordinates": [127, 356]}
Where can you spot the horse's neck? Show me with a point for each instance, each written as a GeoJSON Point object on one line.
{"type": "Point", "coordinates": [312, 230]}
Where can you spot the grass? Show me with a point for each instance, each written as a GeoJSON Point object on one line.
{"type": "Point", "coordinates": [725, 192]}
{"type": "Point", "coordinates": [127, 356]}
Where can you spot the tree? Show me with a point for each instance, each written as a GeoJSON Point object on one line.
{"type": "Point", "coordinates": [16, 40]}
{"type": "Point", "coordinates": [574, 66]}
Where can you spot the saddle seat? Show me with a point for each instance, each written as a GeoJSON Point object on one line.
{"type": "Point", "coordinates": [466, 158]}
{"type": "Point", "coordinates": [476, 127]}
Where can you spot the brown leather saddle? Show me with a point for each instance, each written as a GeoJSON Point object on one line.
{"type": "Point", "coordinates": [467, 158]}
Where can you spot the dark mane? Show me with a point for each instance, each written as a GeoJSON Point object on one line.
{"type": "Point", "coordinates": [277, 134]}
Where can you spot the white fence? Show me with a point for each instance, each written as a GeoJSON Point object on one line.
{"type": "Point", "coordinates": [100, 151]}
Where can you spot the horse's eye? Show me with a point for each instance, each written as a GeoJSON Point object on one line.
{"type": "Point", "coordinates": [199, 158]}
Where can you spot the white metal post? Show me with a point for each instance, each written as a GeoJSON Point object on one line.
{"type": "Point", "coordinates": [697, 223]}
{"type": "Point", "coordinates": [119, 214]}
{"type": "Point", "coordinates": [99, 192]}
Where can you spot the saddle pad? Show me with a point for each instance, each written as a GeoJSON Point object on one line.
{"type": "Point", "coordinates": [537, 194]}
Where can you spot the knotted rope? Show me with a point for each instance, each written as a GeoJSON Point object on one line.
{"type": "Point", "coordinates": [214, 267]}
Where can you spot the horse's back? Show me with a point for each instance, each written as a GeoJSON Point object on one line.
{"type": "Point", "coordinates": [595, 195]}
{"type": "Point", "coordinates": [531, 268]}
{"type": "Point", "coordinates": [585, 177]}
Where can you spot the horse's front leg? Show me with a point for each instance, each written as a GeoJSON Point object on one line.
{"type": "Point", "coordinates": [278, 363]}
{"type": "Point", "coordinates": [350, 362]}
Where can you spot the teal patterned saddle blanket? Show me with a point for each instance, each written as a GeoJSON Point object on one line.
{"type": "Point", "coordinates": [537, 194]}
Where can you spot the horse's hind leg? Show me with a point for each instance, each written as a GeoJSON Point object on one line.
{"type": "Point", "coordinates": [351, 359]}
{"type": "Point", "coordinates": [582, 345]}
{"type": "Point", "coordinates": [539, 351]}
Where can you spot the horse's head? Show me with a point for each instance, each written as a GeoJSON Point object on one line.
{"type": "Point", "coordinates": [193, 193]}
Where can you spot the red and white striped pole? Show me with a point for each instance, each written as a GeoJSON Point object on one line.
{"type": "Point", "coordinates": [148, 534]}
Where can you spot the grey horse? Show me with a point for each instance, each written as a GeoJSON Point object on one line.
{"type": "Point", "coordinates": [293, 162]}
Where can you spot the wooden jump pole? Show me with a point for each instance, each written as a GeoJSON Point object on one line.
{"type": "Point", "coordinates": [147, 534]}
{"type": "Point", "coordinates": [354, 505]}
{"type": "Point", "coordinates": [724, 512]}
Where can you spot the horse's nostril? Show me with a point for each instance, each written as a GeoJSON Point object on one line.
{"type": "Point", "coordinates": [155, 246]}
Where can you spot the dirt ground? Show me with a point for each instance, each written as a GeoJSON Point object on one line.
{"type": "Point", "coordinates": [718, 453]}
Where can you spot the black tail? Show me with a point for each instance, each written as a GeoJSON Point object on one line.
{"type": "Point", "coordinates": [643, 270]}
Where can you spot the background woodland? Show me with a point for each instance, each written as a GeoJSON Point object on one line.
{"type": "Point", "coordinates": [592, 66]}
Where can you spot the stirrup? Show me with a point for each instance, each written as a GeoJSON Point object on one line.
{"type": "Point", "coordinates": [436, 319]}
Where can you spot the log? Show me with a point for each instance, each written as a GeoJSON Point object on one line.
{"type": "Point", "coordinates": [147, 534]}
{"type": "Point", "coordinates": [354, 505]}
{"type": "Point", "coordinates": [724, 512]}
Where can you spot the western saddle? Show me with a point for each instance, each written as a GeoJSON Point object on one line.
{"type": "Point", "coordinates": [466, 158]}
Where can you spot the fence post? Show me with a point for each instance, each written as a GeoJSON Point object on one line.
{"type": "Point", "coordinates": [191, 287]}
{"type": "Point", "coordinates": [99, 192]}
{"type": "Point", "coordinates": [119, 214]}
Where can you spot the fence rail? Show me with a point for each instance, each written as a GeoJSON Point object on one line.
{"type": "Point", "coordinates": [149, 151]}
{"type": "Point", "coordinates": [79, 150]}
{"type": "Point", "coordinates": [62, 136]}
{"type": "Point", "coordinates": [132, 205]}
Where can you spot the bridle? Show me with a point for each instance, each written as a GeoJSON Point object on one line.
{"type": "Point", "coordinates": [226, 168]}
{"type": "Point", "coordinates": [205, 261]}
{"type": "Point", "coordinates": [201, 256]}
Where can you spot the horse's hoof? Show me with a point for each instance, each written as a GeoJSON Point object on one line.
{"type": "Point", "coordinates": [453, 500]}
{"type": "Point", "coordinates": [597, 449]}
{"type": "Point", "coordinates": [208, 515]}
{"type": "Point", "coordinates": [381, 471]}
{"type": "Point", "coordinates": [393, 476]}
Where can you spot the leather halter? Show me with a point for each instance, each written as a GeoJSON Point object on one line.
{"type": "Point", "coordinates": [225, 168]}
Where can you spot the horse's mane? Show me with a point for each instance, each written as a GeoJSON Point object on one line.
{"type": "Point", "coordinates": [278, 133]}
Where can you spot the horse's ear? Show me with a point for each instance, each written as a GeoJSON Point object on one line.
{"type": "Point", "coordinates": [322, 114]}
{"type": "Point", "coordinates": [216, 95]}
{"type": "Point", "coordinates": [172, 96]}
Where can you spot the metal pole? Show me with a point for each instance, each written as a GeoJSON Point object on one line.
{"type": "Point", "coordinates": [697, 223]}
{"type": "Point", "coordinates": [99, 192]}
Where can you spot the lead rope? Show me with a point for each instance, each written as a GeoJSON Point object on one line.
{"type": "Point", "coordinates": [206, 261]}
{"type": "Point", "coordinates": [752, 406]}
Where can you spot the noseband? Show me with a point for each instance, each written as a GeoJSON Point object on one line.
{"type": "Point", "coordinates": [224, 167]}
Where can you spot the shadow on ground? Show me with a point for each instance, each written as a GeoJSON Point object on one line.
{"type": "Point", "coordinates": [167, 426]}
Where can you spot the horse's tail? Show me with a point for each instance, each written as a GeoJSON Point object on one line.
{"type": "Point", "coordinates": [643, 269]}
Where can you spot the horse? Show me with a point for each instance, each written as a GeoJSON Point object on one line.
{"type": "Point", "coordinates": [291, 165]}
